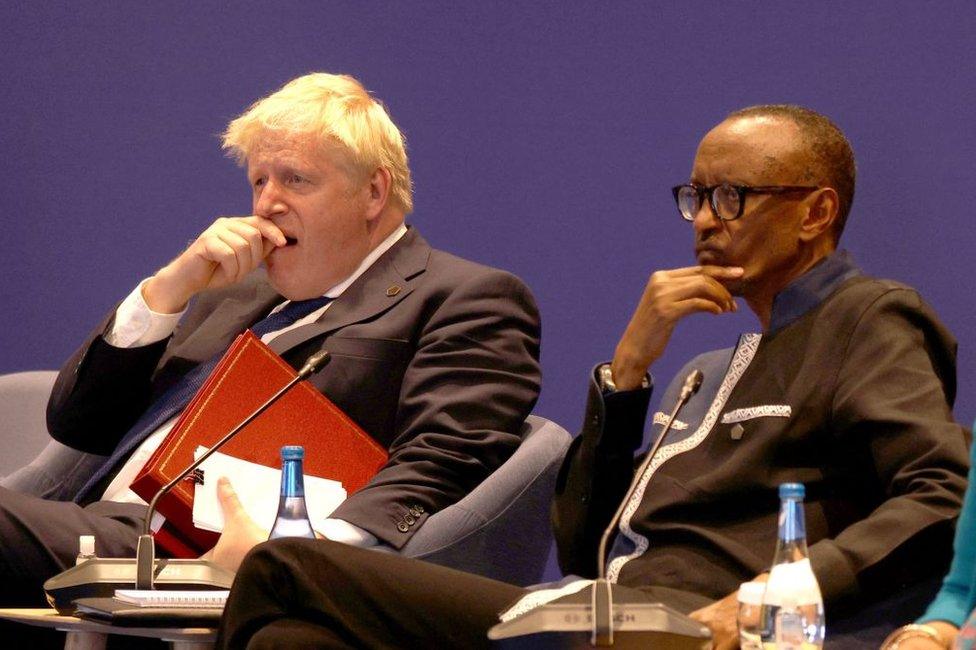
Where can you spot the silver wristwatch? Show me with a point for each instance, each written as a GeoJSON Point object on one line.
{"type": "Point", "coordinates": [605, 375]}
{"type": "Point", "coordinates": [607, 385]}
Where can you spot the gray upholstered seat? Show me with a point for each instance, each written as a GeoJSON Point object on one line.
{"type": "Point", "coordinates": [32, 462]}
{"type": "Point", "coordinates": [501, 529]}
{"type": "Point", "coordinates": [23, 398]}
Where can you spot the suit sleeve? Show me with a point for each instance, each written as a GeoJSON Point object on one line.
{"type": "Point", "coordinates": [101, 391]}
{"type": "Point", "coordinates": [892, 402]}
{"type": "Point", "coordinates": [465, 394]}
{"type": "Point", "coordinates": [595, 474]}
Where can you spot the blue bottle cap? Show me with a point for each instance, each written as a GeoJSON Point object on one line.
{"type": "Point", "coordinates": [297, 452]}
{"type": "Point", "coordinates": [791, 491]}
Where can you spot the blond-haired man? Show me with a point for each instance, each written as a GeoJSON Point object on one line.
{"type": "Point", "coordinates": [434, 356]}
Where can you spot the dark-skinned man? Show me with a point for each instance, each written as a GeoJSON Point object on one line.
{"type": "Point", "coordinates": [847, 389]}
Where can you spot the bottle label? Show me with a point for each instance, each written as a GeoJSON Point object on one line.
{"type": "Point", "coordinates": [793, 579]}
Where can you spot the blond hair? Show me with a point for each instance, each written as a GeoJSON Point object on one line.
{"type": "Point", "coordinates": [334, 108]}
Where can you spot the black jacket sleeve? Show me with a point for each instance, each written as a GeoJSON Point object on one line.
{"type": "Point", "coordinates": [595, 474]}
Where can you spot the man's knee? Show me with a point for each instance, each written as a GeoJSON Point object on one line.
{"type": "Point", "coordinates": [292, 633]}
{"type": "Point", "coordinates": [287, 554]}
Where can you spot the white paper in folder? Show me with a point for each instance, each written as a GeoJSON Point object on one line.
{"type": "Point", "coordinates": [258, 488]}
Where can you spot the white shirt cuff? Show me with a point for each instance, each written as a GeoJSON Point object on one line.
{"type": "Point", "coordinates": [339, 530]}
{"type": "Point", "coordinates": [136, 325]}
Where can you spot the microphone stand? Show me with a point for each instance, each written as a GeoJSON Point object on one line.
{"type": "Point", "coordinates": [585, 619]}
{"type": "Point", "coordinates": [602, 598]}
{"type": "Point", "coordinates": [102, 576]}
{"type": "Point", "coordinates": [146, 546]}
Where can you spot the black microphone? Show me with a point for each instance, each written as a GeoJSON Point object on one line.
{"type": "Point", "coordinates": [101, 576]}
{"type": "Point", "coordinates": [692, 383]}
{"type": "Point", "coordinates": [315, 363]}
{"type": "Point", "coordinates": [643, 623]}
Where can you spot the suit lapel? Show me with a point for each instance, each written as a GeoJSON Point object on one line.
{"type": "Point", "coordinates": [229, 318]}
{"type": "Point", "coordinates": [388, 281]}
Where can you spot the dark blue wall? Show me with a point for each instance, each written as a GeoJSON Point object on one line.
{"type": "Point", "coordinates": [543, 135]}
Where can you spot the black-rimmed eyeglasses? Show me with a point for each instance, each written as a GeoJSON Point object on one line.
{"type": "Point", "coordinates": [726, 200]}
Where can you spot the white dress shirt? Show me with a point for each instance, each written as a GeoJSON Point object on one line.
{"type": "Point", "coordinates": [136, 325]}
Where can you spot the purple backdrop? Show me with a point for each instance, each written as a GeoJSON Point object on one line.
{"type": "Point", "coordinates": [543, 138]}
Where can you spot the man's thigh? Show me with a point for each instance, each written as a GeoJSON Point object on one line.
{"type": "Point", "coordinates": [365, 598]}
{"type": "Point", "coordinates": [39, 538]}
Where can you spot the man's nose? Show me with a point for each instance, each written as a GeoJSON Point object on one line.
{"type": "Point", "coordinates": [705, 220]}
{"type": "Point", "coordinates": [269, 203]}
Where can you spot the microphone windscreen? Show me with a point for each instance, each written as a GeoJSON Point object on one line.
{"type": "Point", "coordinates": [315, 363]}
{"type": "Point", "coordinates": [692, 383]}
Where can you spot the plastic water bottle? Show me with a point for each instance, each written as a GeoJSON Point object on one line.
{"type": "Point", "coordinates": [792, 612]}
{"type": "Point", "coordinates": [292, 519]}
{"type": "Point", "coordinates": [86, 549]}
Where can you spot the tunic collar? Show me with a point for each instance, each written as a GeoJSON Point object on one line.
{"type": "Point", "coordinates": [812, 288]}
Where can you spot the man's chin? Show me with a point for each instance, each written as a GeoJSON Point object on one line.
{"type": "Point", "coordinates": [737, 286]}
{"type": "Point", "coordinates": [291, 287]}
{"type": "Point", "coordinates": [280, 282]}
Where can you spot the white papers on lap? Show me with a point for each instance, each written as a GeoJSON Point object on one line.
{"type": "Point", "coordinates": [172, 598]}
{"type": "Point", "coordinates": [258, 488]}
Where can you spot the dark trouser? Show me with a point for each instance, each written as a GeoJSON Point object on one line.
{"type": "Point", "coordinates": [301, 593]}
{"type": "Point", "coordinates": [39, 539]}
{"type": "Point", "coordinates": [306, 593]}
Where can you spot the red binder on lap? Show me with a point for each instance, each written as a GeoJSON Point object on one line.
{"type": "Point", "coordinates": [247, 375]}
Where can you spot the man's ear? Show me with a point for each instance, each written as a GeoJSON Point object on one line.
{"type": "Point", "coordinates": [378, 192]}
{"type": "Point", "coordinates": [823, 212]}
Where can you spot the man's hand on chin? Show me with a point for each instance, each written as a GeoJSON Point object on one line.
{"type": "Point", "coordinates": [668, 297]}
{"type": "Point", "coordinates": [720, 617]}
{"type": "Point", "coordinates": [240, 534]}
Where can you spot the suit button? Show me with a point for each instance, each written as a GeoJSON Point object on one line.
{"type": "Point", "coordinates": [410, 520]}
{"type": "Point", "coordinates": [402, 526]}
{"type": "Point", "coordinates": [420, 509]}
{"type": "Point", "coordinates": [416, 512]}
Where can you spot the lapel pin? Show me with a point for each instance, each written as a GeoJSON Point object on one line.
{"type": "Point", "coordinates": [737, 432]}
{"type": "Point", "coordinates": [393, 290]}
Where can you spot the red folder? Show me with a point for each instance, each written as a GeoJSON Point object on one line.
{"type": "Point", "coordinates": [247, 375]}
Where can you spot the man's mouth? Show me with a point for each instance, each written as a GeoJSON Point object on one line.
{"type": "Point", "coordinates": [290, 241]}
{"type": "Point", "coordinates": [707, 255]}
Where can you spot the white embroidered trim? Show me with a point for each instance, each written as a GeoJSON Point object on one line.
{"type": "Point", "coordinates": [662, 418]}
{"type": "Point", "coordinates": [534, 599]}
{"type": "Point", "coordinates": [743, 356]}
{"type": "Point", "coordinates": [765, 411]}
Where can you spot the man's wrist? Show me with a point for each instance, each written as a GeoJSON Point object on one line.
{"type": "Point", "coordinates": [160, 295]}
{"type": "Point", "coordinates": [135, 324]}
{"type": "Point", "coordinates": [609, 382]}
